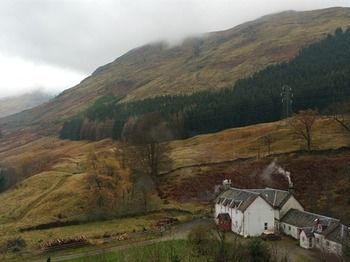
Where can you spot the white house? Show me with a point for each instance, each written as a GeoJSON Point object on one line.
{"type": "Point", "coordinates": [251, 212]}
{"type": "Point", "coordinates": [254, 211]}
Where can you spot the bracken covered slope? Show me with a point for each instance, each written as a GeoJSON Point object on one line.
{"type": "Point", "coordinates": [212, 61]}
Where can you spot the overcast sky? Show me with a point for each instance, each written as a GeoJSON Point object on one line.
{"type": "Point", "coordinates": [54, 44]}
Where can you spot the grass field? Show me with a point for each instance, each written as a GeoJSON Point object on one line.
{"type": "Point", "coordinates": [164, 251]}
{"type": "Point", "coordinates": [246, 142]}
{"type": "Point", "coordinates": [98, 233]}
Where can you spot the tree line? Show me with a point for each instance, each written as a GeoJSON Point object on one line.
{"type": "Point", "coordinates": [319, 77]}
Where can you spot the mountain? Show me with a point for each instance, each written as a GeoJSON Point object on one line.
{"type": "Point", "coordinates": [15, 104]}
{"type": "Point", "coordinates": [208, 62]}
{"type": "Point", "coordinates": [97, 188]}
{"type": "Point", "coordinates": [318, 77]}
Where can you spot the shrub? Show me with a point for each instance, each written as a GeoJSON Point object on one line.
{"type": "Point", "coordinates": [13, 245]}
{"type": "Point", "coordinates": [200, 240]}
{"type": "Point", "coordinates": [258, 251]}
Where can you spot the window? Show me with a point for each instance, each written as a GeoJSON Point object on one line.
{"type": "Point", "coordinates": [289, 228]}
{"type": "Point", "coordinates": [303, 238]}
{"type": "Point", "coordinates": [284, 226]}
{"type": "Point", "coordinates": [265, 226]}
{"type": "Point", "coordinates": [327, 243]}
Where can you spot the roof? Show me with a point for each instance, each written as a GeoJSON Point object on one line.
{"type": "Point", "coordinates": [242, 198]}
{"type": "Point", "coordinates": [275, 197]}
{"type": "Point", "coordinates": [308, 231]}
{"type": "Point", "coordinates": [338, 233]}
{"type": "Point", "coordinates": [304, 219]}
{"type": "Point", "coordinates": [237, 198]}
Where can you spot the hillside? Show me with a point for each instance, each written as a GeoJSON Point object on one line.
{"type": "Point", "coordinates": [211, 61]}
{"type": "Point", "coordinates": [59, 189]}
{"type": "Point", "coordinates": [14, 104]}
{"type": "Point", "coordinates": [318, 77]}
{"type": "Point", "coordinates": [61, 192]}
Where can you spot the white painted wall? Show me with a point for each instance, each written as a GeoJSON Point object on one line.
{"type": "Point", "coordinates": [236, 217]}
{"type": "Point", "coordinates": [327, 245]}
{"type": "Point", "coordinates": [258, 213]}
{"type": "Point", "coordinates": [318, 240]}
{"type": "Point", "coordinates": [291, 203]}
{"type": "Point", "coordinates": [305, 241]}
{"type": "Point", "coordinates": [237, 221]}
{"type": "Point", "coordinates": [289, 230]}
{"type": "Point", "coordinates": [220, 209]}
{"type": "Point", "coordinates": [217, 211]}
{"type": "Point", "coordinates": [332, 247]}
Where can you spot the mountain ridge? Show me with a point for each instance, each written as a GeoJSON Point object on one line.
{"type": "Point", "coordinates": [15, 104]}
{"type": "Point", "coordinates": [210, 62]}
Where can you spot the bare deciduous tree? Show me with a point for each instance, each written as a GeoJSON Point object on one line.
{"type": "Point", "coordinates": [145, 137]}
{"type": "Point", "coordinates": [338, 112]}
{"type": "Point", "coordinates": [302, 123]}
{"type": "Point", "coordinates": [267, 142]}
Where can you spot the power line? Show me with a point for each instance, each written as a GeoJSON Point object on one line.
{"type": "Point", "coordinates": [287, 100]}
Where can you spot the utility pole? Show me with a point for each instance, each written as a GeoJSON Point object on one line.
{"type": "Point", "coordinates": [287, 100]}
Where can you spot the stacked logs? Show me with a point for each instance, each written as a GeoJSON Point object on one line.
{"type": "Point", "coordinates": [61, 243]}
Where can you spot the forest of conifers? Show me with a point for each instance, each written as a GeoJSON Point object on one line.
{"type": "Point", "coordinates": [318, 76]}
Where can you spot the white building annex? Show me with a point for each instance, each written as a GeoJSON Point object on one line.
{"type": "Point", "coordinates": [315, 231]}
{"type": "Point", "coordinates": [251, 212]}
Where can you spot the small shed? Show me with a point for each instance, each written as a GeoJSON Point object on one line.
{"type": "Point", "coordinates": [224, 222]}
{"type": "Point", "coordinates": [307, 238]}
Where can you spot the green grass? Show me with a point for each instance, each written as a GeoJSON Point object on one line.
{"type": "Point", "coordinates": [302, 258]}
{"type": "Point", "coordinates": [164, 251]}
{"type": "Point", "coordinates": [93, 230]}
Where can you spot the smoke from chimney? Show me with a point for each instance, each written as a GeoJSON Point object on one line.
{"type": "Point", "coordinates": [274, 168]}
{"type": "Point", "coordinates": [286, 174]}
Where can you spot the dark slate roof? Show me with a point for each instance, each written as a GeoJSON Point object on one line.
{"type": "Point", "coordinates": [275, 197]}
{"type": "Point", "coordinates": [338, 233]}
{"type": "Point", "coordinates": [306, 219]}
{"type": "Point", "coordinates": [240, 198]}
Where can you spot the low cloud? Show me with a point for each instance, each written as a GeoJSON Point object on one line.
{"type": "Point", "coordinates": [80, 35]}
{"type": "Point", "coordinates": [20, 76]}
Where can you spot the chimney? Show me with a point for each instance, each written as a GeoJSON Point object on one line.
{"type": "Point", "coordinates": [291, 188]}
{"type": "Point", "coordinates": [226, 184]}
{"type": "Point", "coordinates": [344, 232]}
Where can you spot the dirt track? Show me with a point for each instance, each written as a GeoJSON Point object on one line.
{"type": "Point", "coordinates": [179, 231]}
{"type": "Point", "coordinates": [285, 247]}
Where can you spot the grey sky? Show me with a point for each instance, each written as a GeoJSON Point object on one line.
{"type": "Point", "coordinates": [53, 44]}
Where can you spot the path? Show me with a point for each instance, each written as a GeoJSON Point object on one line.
{"type": "Point", "coordinates": [41, 197]}
{"type": "Point", "coordinates": [286, 246]}
{"type": "Point", "coordinates": [179, 231]}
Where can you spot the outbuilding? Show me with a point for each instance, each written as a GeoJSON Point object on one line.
{"type": "Point", "coordinates": [224, 222]}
